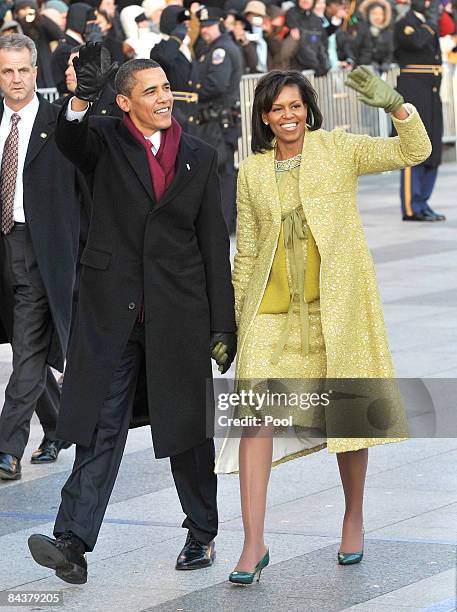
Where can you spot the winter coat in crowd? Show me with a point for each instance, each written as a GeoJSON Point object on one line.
{"type": "Point", "coordinates": [381, 34]}
{"type": "Point", "coordinates": [353, 41]}
{"type": "Point", "coordinates": [311, 52]}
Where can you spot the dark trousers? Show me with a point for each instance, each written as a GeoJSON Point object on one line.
{"type": "Point", "coordinates": [32, 386]}
{"type": "Point", "coordinates": [86, 493]}
{"type": "Point", "coordinates": [416, 187]}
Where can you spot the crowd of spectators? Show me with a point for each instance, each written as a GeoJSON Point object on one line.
{"type": "Point", "coordinates": [315, 35]}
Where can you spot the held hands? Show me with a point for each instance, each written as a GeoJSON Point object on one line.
{"type": "Point", "coordinates": [93, 70]}
{"type": "Point", "coordinates": [373, 90]}
{"type": "Point", "coordinates": [223, 349]}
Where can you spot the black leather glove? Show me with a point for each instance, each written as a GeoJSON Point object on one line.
{"type": "Point", "coordinates": [223, 349]}
{"type": "Point", "coordinates": [93, 70]}
{"type": "Point", "coordinates": [180, 31]}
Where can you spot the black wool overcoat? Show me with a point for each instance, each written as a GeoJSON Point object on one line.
{"type": "Point", "coordinates": [173, 255]}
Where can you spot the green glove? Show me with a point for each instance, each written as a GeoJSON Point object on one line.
{"type": "Point", "coordinates": [223, 349]}
{"type": "Point", "coordinates": [373, 90]}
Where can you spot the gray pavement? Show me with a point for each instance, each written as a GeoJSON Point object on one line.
{"type": "Point", "coordinates": [411, 494]}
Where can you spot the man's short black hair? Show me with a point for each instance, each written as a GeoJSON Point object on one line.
{"type": "Point", "coordinates": [125, 77]}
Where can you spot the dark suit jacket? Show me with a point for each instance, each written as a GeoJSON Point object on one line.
{"type": "Point", "coordinates": [174, 255]}
{"type": "Point", "coordinates": [52, 216]}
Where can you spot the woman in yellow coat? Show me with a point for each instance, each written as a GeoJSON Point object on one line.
{"type": "Point", "coordinates": [306, 298]}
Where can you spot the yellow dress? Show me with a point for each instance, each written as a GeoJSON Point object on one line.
{"type": "Point", "coordinates": [286, 342]}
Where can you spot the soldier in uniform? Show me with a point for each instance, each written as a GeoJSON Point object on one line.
{"type": "Point", "coordinates": [174, 55]}
{"type": "Point", "coordinates": [417, 51]}
{"type": "Point", "coordinates": [218, 87]}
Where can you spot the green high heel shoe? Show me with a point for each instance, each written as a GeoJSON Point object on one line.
{"type": "Point", "coordinates": [249, 577]}
{"type": "Point", "coordinates": [354, 557]}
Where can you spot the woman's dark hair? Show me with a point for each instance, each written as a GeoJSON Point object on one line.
{"type": "Point", "coordinates": [266, 92]}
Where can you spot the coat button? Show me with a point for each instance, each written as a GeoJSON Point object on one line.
{"type": "Point", "coordinates": [189, 82]}
{"type": "Point", "coordinates": [131, 305]}
{"type": "Point", "coordinates": [435, 89]}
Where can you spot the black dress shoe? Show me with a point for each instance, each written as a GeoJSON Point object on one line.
{"type": "Point", "coordinates": [436, 216]}
{"type": "Point", "coordinates": [65, 556]}
{"type": "Point", "coordinates": [10, 467]}
{"type": "Point", "coordinates": [48, 451]}
{"type": "Point", "coordinates": [418, 217]}
{"type": "Point", "coordinates": [195, 555]}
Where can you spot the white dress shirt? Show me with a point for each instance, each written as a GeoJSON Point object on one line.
{"type": "Point", "coordinates": [71, 115]}
{"type": "Point", "coordinates": [28, 114]}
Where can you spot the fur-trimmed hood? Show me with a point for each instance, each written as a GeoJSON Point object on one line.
{"type": "Point", "coordinates": [366, 6]}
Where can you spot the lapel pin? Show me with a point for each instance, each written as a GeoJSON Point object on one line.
{"type": "Point", "coordinates": [43, 135]}
{"type": "Point", "coordinates": [187, 166]}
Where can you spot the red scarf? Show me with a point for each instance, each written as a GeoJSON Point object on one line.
{"type": "Point", "coordinates": [162, 166]}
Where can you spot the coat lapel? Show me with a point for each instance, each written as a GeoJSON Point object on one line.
{"type": "Point", "coordinates": [272, 187]}
{"type": "Point", "coordinates": [43, 128]}
{"type": "Point", "coordinates": [137, 158]}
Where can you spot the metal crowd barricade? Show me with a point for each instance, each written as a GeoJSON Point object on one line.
{"type": "Point", "coordinates": [340, 107]}
{"type": "Point", "coordinates": [50, 93]}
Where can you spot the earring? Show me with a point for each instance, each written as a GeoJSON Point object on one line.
{"type": "Point", "coordinates": [266, 122]}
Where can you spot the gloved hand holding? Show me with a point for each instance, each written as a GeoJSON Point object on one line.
{"type": "Point", "coordinates": [373, 90]}
{"type": "Point", "coordinates": [93, 70]}
{"type": "Point", "coordinates": [223, 349]}
{"type": "Point", "coordinates": [180, 31]}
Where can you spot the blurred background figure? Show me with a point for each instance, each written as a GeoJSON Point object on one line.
{"type": "Point", "coordinates": [307, 29]}
{"type": "Point", "coordinates": [240, 29]}
{"type": "Point", "coordinates": [255, 13]}
{"type": "Point", "coordinates": [173, 53]}
{"type": "Point", "coordinates": [139, 38]}
{"type": "Point", "coordinates": [153, 10]}
{"type": "Point", "coordinates": [378, 14]}
{"type": "Point", "coordinates": [42, 31]}
{"type": "Point", "coordinates": [10, 27]}
{"type": "Point", "coordinates": [217, 115]}
{"type": "Point", "coordinates": [276, 33]}
{"type": "Point", "coordinates": [104, 32]}
{"type": "Point", "coordinates": [74, 35]}
{"type": "Point", "coordinates": [57, 11]}
{"type": "Point", "coordinates": [109, 6]}
{"type": "Point", "coordinates": [353, 40]}
{"type": "Point", "coordinates": [448, 31]}
{"type": "Point", "coordinates": [331, 14]}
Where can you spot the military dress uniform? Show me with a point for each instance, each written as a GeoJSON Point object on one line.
{"type": "Point", "coordinates": [217, 114]}
{"type": "Point", "coordinates": [417, 51]}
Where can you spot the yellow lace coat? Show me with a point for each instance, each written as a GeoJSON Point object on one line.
{"type": "Point", "coordinates": [351, 311]}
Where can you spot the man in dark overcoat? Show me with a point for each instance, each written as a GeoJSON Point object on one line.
{"type": "Point", "coordinates": [155, 301]}
{"type": "Point", "coordinates": [418, 53]}
{"type": "Point", "coordinates": [38, 245]}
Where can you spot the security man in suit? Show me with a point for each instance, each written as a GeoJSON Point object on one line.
{"type": "Point", "coordinates": [218, 88]}
{"type": "Point", "coordinates": [38, 243]}
{"type": "Point", "coordinates": [417, 51]}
